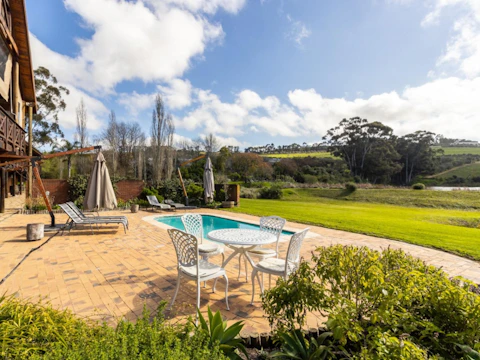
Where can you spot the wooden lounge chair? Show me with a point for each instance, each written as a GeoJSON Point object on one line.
{"type": "Point", "coordinates": [75, 219]}
{"type": "Point", "coordinates": [85, 216]}
{"type": "Point", "coordinates": [153, 201]}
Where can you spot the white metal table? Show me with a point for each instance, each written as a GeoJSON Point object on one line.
{"type": "Point", "coordinates": [241, 241]}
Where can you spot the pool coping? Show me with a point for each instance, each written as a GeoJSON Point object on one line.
{"type": "Point", "coordinates": [284, 238]}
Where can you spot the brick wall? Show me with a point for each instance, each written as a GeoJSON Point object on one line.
{"type": "Point", "coordinates": [129, 189]}
{"type": "Point", "coordinates": [58, 190]}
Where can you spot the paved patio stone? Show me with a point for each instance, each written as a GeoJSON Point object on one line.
{"type": "Point", "coordinates": [110, 275]}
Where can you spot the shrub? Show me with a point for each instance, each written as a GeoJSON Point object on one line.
{"type": "Point", "coordinates": [122, 203]}
{"type": "Point", "coordinates": [77, 187]}
{"type": "Point", "coordinates": [351, 187]}
{"type": "Point", "coordinates": [149, 192]}
{"type": "Point", "coordinates": [272, 192]}
{"type": "Point", "coordinates": [35, 204]}
{"type": "Point", "coordinates": [172, 189]}
{"type": "Point", "coordinates": [247, 193]}
{"type": "Point", "coordinates": [195, 192]}
{"type": "Point", "coordinates": [38, 331]}
{"type": "Point", "coordinates": [380, 303]}
{"type": "Point", "coordinates": [219, 196]}
{"type": "Point", "coordinates": [309, 179]}
{"type": "Point", "coordinates": [418, 186]}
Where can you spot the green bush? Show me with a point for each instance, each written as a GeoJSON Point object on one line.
{"type": "Point", "coordinates": [36, 331]}
{"type": "Point", "coordinates": [149, 192]}
{"type": "Point", "coordinates": [272, 192]}
{"type": "Point", "coordinates": [172, 189]}
{"type": "Point", "coordinates": [381, 304]}
{"type": "Point", "coordinates": [351, 187]}
{"type": "Point", "coordinates": [77, 187]}
{"type": "Point", "coordinates": [248, 193]}
{"type": "Point", "coordinates": [310, 179]}
{"type": "Point", "coordinates": [219, 196]}
{"type": "Point", "coordinates": [217, 332]}
{"type": "Point", "coordinates": [122, 203]}
{"type": "Point", "coordinates": [195, 192]}
{"type": "Point", "coordinates": [418, 186]}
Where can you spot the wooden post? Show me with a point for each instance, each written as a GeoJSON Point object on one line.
{"type": "Point", "coordinates": [43, 192]}
{"type": "Point", "coordinates": [183, 186]}
{"type": "Point", "coordinates": [2, 190]}
{"type": "Point", "coordinates": [30, 151]}
{"type": "Point", "coordinates": [14, 180]}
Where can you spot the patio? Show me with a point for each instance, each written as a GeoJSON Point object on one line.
{"type": "Point", "coordinates": [111, 275]}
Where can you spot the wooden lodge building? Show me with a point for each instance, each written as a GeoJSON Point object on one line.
{"type": "Point", "coordinates": [17, 93]}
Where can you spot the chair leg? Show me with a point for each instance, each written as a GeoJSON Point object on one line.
{"type": "Point", "coordinates": [176, 291]}
{"type": "Point", "coordinates": [269, 281]}
{"type": "Point", "coordinates": [246, 268]}
{"type": "Point", "coordinates": [239, 265]}
{"type": "Point", "coordinates": [198, 294]}
{"type": "Point", "coordinates": [263, 281]}
{"type": "Point", "coordinates": [254, 272]}
{"type": "Point", "coordinates": [226, 291]}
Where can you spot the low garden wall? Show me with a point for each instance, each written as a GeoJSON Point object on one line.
{"type": "Point", "coordinates": [59, 189]}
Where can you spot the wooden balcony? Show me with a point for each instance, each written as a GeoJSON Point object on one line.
{"type": "Point", "coordinates": [12, 136]}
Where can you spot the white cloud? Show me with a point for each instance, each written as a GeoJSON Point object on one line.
{"type": "Point", "coordinates": [134, 41]}
{"type": "Point", "coordinates": [463, 48]}
{"type": "Point", "coordinates": [297, 31]}
{"type": "Point", "coordinates": [446, 106]}
{"type": "Point", "coordinates": [206, 6]}
{"type": "Point", "coordinates": [95, 109]}
{"type": "Point", "coordinates": [178, 93]}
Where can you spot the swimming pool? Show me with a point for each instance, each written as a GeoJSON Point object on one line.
{"type": "Point", "coordinates": [211, 223]}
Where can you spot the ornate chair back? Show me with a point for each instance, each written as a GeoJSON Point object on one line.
{"type": "Point", "coordinates": [293, 253]}
{"type": "Point", "coordinates": [273, 225]}
{"type": "Point", "coordinates": [186, 247]}
{"type": "Point", "coordinates": [193, 224]}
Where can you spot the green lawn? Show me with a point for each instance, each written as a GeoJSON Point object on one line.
{"type": "Point", "coordinates": [460, 150]}
{"type": "Point", "coordinates": [463, 200]}
{"type": "Point", "coordinates": [467, 171]}
{"type": "Point", "coordinates": [321, 154]}
{"type": "Point", "coordinates": [423, 226]}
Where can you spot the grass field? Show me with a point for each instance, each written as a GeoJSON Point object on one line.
{"type": "Point", "coordinates": [460, 200]}
{"type": "Point", "coordinates": [423, 226]}
{"type": "Point", "coordinates": [322, 154]}
{"type": "Point", "coordinates": [466, 171]}
{"type": "Point", "coordinates": [460, 150]}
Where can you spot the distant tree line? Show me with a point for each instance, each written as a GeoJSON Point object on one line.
{"type": "Point", "coordinates": [286, 149]}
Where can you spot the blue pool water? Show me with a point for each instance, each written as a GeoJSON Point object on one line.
{"type": "Point", "coordinates": [211, 223]}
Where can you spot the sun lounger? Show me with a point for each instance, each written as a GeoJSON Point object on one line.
{"type": "Point", "coordinates": [178, 206]}
{"type": "Point", "coordinates": [153, 201]}
{"type": "Point", "coordinates": [86, 216]}
{"type": "Point", "coordinates": [75, 219]}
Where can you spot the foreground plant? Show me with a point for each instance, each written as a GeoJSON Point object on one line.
{"type": "Point", "coordinates": [218, 333]}
{"type": "Point", "coordinates": [37, 331]}
{"type": "Point", "coordinates": [294, 346]}
{"type": "Point", "coordinates": [380, 304]}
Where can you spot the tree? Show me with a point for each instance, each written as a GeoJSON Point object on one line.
{"type": "Point", "coordinates": [417, 155]}
{"type": "Point", "coordinates": [50, 102]}
{"type": "Point", "coordinates": [162, 132]}
{"type": "Point", "coordinates": [209, 143]}
{"type": "Point", "coordinates": [221, 162]}
{"type": "Point", "coordinates": [81, 136]}
{"type": "Point", "coordinates": [360, 143]}
{"type": "Point", "coordinates": [67, 146]}
{"type": "Point", "coordinates": [109, 136]}
{"type": "Point", "coordinates": [246, 164]}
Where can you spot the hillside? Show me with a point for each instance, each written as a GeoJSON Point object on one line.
{"type": "Point", "coordinates": [460, 150]}
{"type": "Point", "coordinates": [321, 154]}
{"type": "Point", "coordinates": [465, 171]}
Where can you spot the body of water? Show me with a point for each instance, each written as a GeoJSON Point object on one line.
{"type": "Point", "coordinates": [211, 223]}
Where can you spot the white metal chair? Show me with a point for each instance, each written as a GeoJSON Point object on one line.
{"type": "Point", "coordinates": [191, 267]}
{"type": "Point", "coordinates": [273, 225]}
{"type": "Point", "coordinates": [193, 224]}
{"type": "Point", "coordinates": [280, 267]}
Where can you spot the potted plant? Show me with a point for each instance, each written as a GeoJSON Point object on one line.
{"type": "Point", "coordinates": [134, 207]}
{"type": "Point", "coordinates": [226, 203]}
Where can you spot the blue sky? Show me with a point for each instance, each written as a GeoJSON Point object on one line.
{"type": "Point", "coordinates": [255, 72]}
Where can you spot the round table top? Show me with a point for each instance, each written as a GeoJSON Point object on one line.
{"type": "Point", "coordinates": [242, 237]}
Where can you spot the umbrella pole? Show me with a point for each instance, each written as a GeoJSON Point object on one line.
{"type": "Point", "coordinates": [43, 192]}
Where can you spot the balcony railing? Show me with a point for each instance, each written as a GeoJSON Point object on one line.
{"type": "Point", "coordinates": [12, 136]}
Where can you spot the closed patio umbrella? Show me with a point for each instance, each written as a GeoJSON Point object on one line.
{"type": "Point", "coordinates": [100, 193]}
{"type": "Point", "coordinates": [208, 181]}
